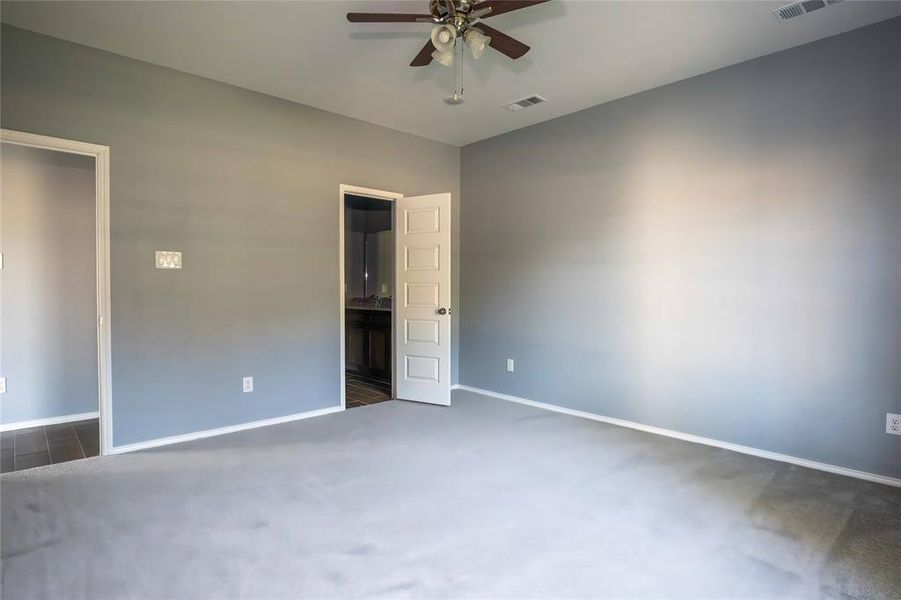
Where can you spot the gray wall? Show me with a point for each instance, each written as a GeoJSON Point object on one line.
{"type": "Point", "coordinates": [246, 186]}
{"type": "Point", "coordinates": [48, 332]}
{"type": "Point", "coordinates": [720, 256]}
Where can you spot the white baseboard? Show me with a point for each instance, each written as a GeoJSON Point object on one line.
{"type": "Point", "coordinates": [196, 435]}
{"type": "Point", "coordinates": [802, 462]}
{"type": "Point", "coordinates": [50, 421]}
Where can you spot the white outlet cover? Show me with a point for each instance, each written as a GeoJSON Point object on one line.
{"type": "Point", "coordinates": [2, 385]}
{"type": "Point", "coordinates": [168, 259]}
{"type": "Point", "coordinates": [248, 384]}
{"type": "Point", "coordinates": [510, 365]}
{"type": "Point", "coordinates": [893, 423]}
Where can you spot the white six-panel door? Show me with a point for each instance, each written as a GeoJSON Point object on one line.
{"type": "Point", "coordinates": [422, 296]}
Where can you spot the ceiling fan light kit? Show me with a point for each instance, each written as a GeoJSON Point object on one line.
{"type": "Point", "coordinates": [454, 20]}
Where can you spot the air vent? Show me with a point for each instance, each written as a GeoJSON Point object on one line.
{"type": "Point", "coordinates": [797, 9]}
{"type": "Point", "coordinates": [526, 102]}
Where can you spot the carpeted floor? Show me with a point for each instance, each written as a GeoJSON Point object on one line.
{"type": "Point", "coordinates": [484, 498]}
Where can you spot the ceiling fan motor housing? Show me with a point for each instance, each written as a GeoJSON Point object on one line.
{"type": "Point", "coordinates": [439, 9]}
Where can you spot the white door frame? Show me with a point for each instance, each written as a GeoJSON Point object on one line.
{"type": "Point", "coordinates": [101, 190]}
{"type": "Point", "coordinates": [379, 195]}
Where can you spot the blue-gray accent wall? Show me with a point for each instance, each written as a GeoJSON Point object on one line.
{"type": "Point", "coordinates": [246, 186]}
{"type": "Point", "coordinates": [720, 256]}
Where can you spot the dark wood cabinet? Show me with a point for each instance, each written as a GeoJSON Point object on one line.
{"type": "Point", "coordinates": [368, 343]}
{"type": "Point", "coordinates": [356, 344]}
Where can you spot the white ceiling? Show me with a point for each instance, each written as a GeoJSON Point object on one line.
{"type": "Point", "coordinates": [583, 52]}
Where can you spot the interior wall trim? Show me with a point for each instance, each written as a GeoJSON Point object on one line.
{"type": "Point", "coordinates": [688, 437]}
{"type": "Point", "coordinates": [196, 435]}
{"type": "Point", "coordinates": [50, 421]}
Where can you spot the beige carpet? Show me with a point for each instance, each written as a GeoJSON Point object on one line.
{"type": "Point", "coordinates": [483, 499]}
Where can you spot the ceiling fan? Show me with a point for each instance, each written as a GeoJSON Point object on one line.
{"type": "Point", "coordinates": [457, 20]}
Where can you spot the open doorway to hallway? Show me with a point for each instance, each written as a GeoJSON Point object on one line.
{"type": "Point", "coordinates": [52, 299]}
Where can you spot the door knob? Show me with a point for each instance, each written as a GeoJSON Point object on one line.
{"type": "Point", "coordinates": [443, 311]}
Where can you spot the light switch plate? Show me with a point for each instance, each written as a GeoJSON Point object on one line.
{"type": "Point", "coordinates": [168, 259]}
{"type": "Point", "coordinates": [248, 384]}
{"type": "Point", "coordinates": [510, 365]}
{"type": "Point", "coordinates": [2, 385]}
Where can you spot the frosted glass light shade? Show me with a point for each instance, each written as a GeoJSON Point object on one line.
{"type": "Point", "coordinates": [444, 38]}
{"type": "Point", "coordinates": [477, 42]}
{"type": "Point", "coordinates": [444, 58]}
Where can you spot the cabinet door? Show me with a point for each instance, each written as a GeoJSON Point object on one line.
{"type": "Point", "coordinates": [356, 346]}
{"type": "Point", "coordinates": [380, 345]}
{"type": "Point", "coordinates": [380, 352]}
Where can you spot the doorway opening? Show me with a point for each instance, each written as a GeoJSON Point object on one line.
{"type": "Point", "coordinates": [414, 300]}
{"type": "Point", "coordinates": [367, 274]}
{"type": "Point", "coordinates": [54, 300]}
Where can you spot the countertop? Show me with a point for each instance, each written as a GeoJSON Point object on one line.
{"type": "Point", "coordinates": [369, 308]}
{"type": "Point", "coordinates": [369, 305]}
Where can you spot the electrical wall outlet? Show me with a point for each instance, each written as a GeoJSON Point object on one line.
{"type": "Point", "coordinates": [893, 424]}
{"type": "Point", "coordinates": [248, 384]}
{"type": "Point", "coordinates": [2, 385]}
{"type": "Point", "coordinates": [510, 365]}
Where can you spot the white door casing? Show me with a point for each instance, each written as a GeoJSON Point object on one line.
{"type": "Point", "coordinates": [422, 323]}
{"type": "Point", "coordinates": [101, 155]}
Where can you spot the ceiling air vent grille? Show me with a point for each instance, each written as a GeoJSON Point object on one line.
{"type": "Point", "coordinates": [797, 9]}
{"type": "Point", "coordinates": [526, 102]}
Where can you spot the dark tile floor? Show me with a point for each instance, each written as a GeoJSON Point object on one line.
{"type": "Point", "coordinates": [38, 446]}
{"type": "Point", "coordinates": [362, 391]}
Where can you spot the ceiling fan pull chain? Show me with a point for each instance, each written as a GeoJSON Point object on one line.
{"type": "Point", "coordinates": [460, 67]}
{"type": "Point", "coordinates": [457, 98]}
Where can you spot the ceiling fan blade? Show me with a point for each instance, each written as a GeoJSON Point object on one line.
{"type": "Point", "coordinates": [424, 57]}
{"type": "Point", "coordinates": [502, 42]}
{"type": "Point", "coordinates": [388, 18]}
{"type": "Point", "coordinates": [499, 7]}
